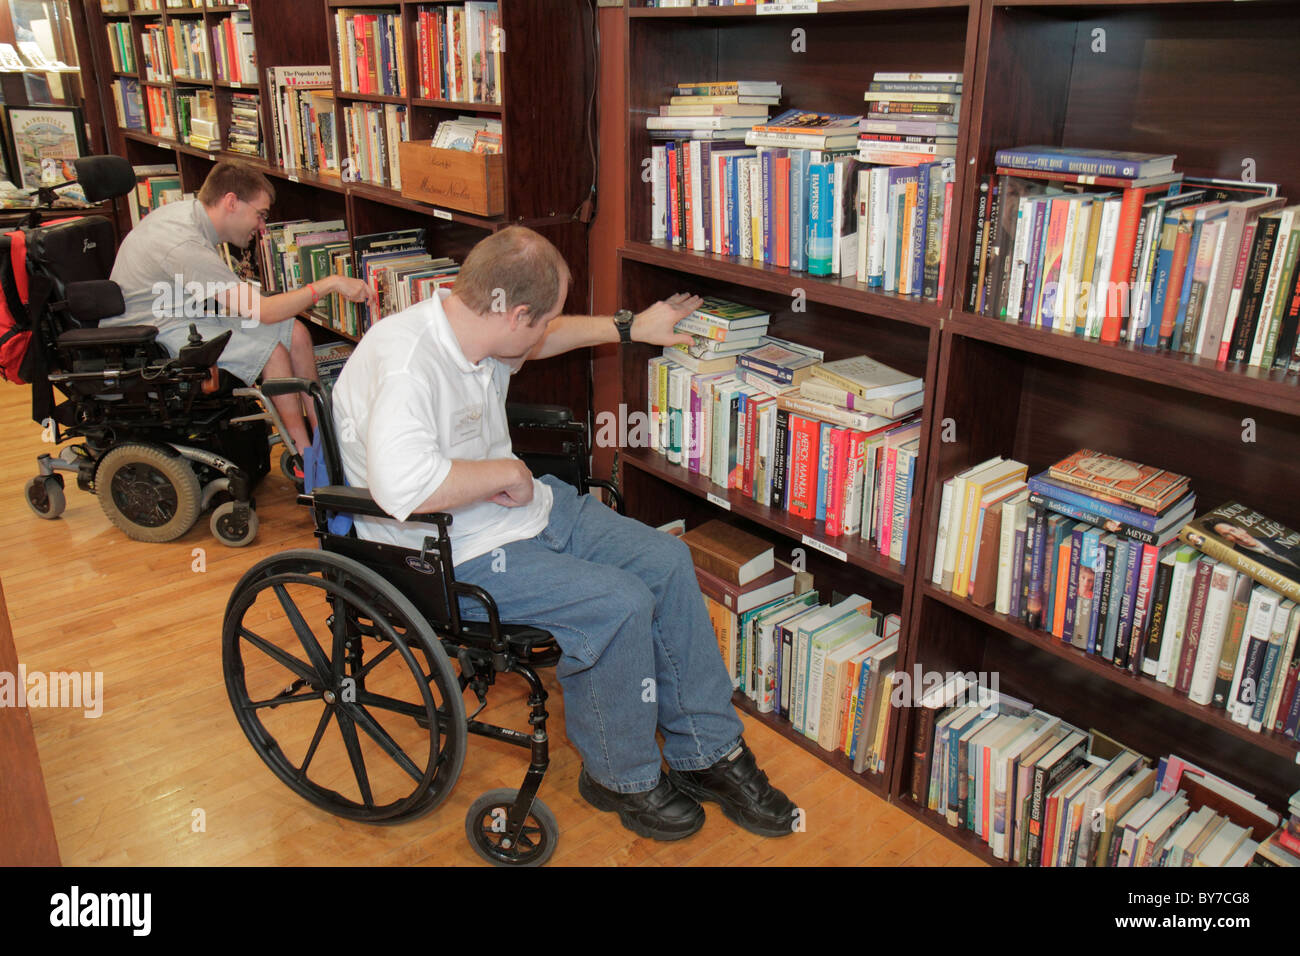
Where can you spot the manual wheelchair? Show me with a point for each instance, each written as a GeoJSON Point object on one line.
{"type": "Point", "coordinates": [370, 631]}
{"type": "Point", "coordinates": [164, 438]}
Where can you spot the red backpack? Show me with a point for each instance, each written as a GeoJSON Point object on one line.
{"type": "Point", "coordinates": [15, 323]}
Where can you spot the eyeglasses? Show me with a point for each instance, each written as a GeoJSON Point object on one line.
{"type": "Point", "coordinates": [261, 213]}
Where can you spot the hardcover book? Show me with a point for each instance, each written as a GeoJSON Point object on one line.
{"type": "Point", "coordinates": [729, 552]}
{"type": "Point", "coordinates": [867, 378]}
{"type": "Point", "coordinates": [1143, 485]}
{"type": "Point", "coordinates": [1250, 542]}
{"type": "Point", "coordinates": [1092, 162]}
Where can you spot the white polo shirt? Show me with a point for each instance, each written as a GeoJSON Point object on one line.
{"type": "Point", "coordinates": [409, 402]}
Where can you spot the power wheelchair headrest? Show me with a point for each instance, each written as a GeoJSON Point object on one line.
{"type": "Point", "coordinates": [104, 177]}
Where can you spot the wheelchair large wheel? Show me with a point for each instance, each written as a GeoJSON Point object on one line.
{"type": "Point", "coordinates": [486, 825]}
{"type": "Point", "coordinates": [151, 494]}
{"type": "Point", "coordinates": [342, 687]}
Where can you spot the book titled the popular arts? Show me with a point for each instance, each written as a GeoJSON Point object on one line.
{"type": "Point", "coordinates": [1263, 548]}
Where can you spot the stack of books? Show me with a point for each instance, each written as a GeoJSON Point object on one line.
{"type": "Point", "coordinates": [128, 102]}
{"type": "Point", "coordinates": [245, 124]}
{"type": "Point", "coordinates": [330, 359]}
{"type": "Point", "coordinates": [1041, 792]}
{"type": "Point", "coordinates": [302, 118]}
{"type": "Point", "coordinates": [234, 53]}
{"type": "Point", "coordinates": [714, 110]}
{"type": "Point", "coordinates": [723, 329]}
{"type": "Point", "coordinates": [156, 186]}
{"type": "Point", "coordinates": [371, 51]}
{"type": "Point", "coordinates": [1283, 847]}
{"type": "Point", "coordinates": [912, 118]}
{"type": "Point", "coordinates": [196, 118]}
{"type": "Point", "coordinates": [188, 45]}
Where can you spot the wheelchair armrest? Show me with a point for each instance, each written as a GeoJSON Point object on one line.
{"type": "Point", "coordinates": [271, 387]}
{"type": "Point", "coordinates": [528, 413]}
{"type": "Point", "coordinates": [357, 501]}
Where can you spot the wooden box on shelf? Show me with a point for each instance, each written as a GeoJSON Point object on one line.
{"type": "Point", "coordinates": [470, 182]}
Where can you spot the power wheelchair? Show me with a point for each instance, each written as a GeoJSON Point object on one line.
{"type": "Point", "coordinates": [163, 439]}
{"type": "Point", "coordinates": [371, 631]}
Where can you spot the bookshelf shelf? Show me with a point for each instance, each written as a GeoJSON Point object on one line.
{"type": "Point", "coordinates": [369, 97]}
{"type": "Point", "coordinates": [1166, 696]}
{"type": "Point", "coordinates": [856, 552]}
{"type": "Point", "coordinates": [1275, 390]}
{"type": "Point", "coordinates": [844, 293]}
{"type": "Point", "coordinates": [469, 106]}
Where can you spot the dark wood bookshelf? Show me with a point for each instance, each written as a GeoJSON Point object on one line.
{"type": "Point", "coordinates": [964, 838]}
{"type": "Point", "coordinates": [1210, 81]}
{"type": "Point", "coordinates": [549, 169]}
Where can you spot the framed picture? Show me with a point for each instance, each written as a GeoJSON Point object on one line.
{"type": "Point", "coordinates": [42, 142]}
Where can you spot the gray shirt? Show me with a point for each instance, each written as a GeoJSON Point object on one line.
{"type": "Point", "coordinates": [168, 268]}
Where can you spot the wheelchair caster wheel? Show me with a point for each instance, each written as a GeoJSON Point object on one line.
{"type": "Point", "coordinates": [229, 530]}
{"type": "Point", "coordinates": [287, 463]}
{"type": "Point", "coordinates": [45, 496]}
{"type": "Point", "coordinates": [487, 824]}
{"type": "Point", "coordinates": [149, 493]}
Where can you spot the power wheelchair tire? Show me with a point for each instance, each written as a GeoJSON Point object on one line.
{"type": "Point", "coordinates": [228, 531]}
{"type": "Point", "coordinates": [44, 495]}
{"type": "Point", "coordinates": [151, 494]}
{"type": "Point", "coordinates": [375, 639]}
{"type": "Point", "coordinates": [485, 825]}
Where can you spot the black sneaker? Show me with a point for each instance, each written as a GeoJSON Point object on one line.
{"type": "Point", "coordinates": [747, 799]}
{"type": "Point", "coordinates": [663, 813]}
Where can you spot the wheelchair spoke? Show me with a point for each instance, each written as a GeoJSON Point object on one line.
{"type": "Point", "coordinates": [349, 731]}
{"type": "Point", "coordinates": [370, 699]}
{"type": "Point", "coordinates": [281, 699]}
{"type": "Point", "coordinates": [389, 745]}
{"type": "Point", "coordinates": [305, 635]}
{"type": "Point", "coordinates": [366, 669]}
{"type": "Point", "coordinates": [315, 741]}
{"type": "Point", "coordinates": [288, 660]}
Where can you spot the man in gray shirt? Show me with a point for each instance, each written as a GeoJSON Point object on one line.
{"type": "Point", "coordinates": [172, 276]}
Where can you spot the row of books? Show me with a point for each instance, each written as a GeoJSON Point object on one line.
{"type": "Point", "coordinates": [330, 359]}
{"type": "Point", "coordinates": [824, 667]}
{"type": "Point", "coordinates": [153, 47]}
{"type": "Point", "coordinates": [187, 49]}
{"type": "Point", "coordinates": [460, 49]}
{"type": "Point", "coordinates": [302, 119]}
{"type": "Point", "coordinates": [1207, 607]}
{"type": "Point", "coordinates": [120, 47]}
{"type": "Point", "coordinates": [371, 51]}
{"type": "Point", "coordinates": [1041, 792]}
{"type": "Point", "coordinates": [373, 132]}
{"type": "Point", "coordinates": [234, 51]}
{"type": "Point", "coordinates": [160, 111]}
{"type": "Point", "coordinates": [127, 102]}
{"type": "Point", "coordinates": [1205, 267]}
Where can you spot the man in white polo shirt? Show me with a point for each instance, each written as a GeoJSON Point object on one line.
{"type": "Point", "coordinates": [420, 410]}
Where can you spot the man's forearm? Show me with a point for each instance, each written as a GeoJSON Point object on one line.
{"type": "Point", "coordinates": [469, 482]}
{"type": "Point", "coordinates": [569, 332]}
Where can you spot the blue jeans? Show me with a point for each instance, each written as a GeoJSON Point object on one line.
{"type": "Point", "coordinates": [639, 652]}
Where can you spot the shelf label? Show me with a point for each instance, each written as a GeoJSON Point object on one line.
{"type": "Point", "coordinates": [162, 145]}
{"type": "Point", "coordinates": [787, 6]}
{"type": "Point", "coordinates": [825, 548]}
{"type": "Point", "coordinates": [722, 503]}
{"type": "Point", "coordinates": [442, 214]}
{"type": "Point", "coordinates": [211, 158]}
{"type": "Point", "coordinates": [293, 178]}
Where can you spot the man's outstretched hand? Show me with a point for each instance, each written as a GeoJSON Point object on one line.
{"type": "Point", "coordinates": [654, 326]}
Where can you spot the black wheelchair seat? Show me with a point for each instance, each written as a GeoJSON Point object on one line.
{"type": "Point", "coordinates": [107, 337]}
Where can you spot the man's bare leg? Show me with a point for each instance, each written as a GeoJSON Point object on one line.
{"type": "Point", "coordinates": [303, 361]}
{"type": "Point", "coordinates": [279, 365]}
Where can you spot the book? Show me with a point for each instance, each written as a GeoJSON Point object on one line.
{"type": "Point", "coordinates": [868, 378]}
{"type": "Point", "coordinates": [1238, 536]}
{"type": "Point", "coordinates": [729, 552]}
{"type": "Point", "coordinates": [1143, 485]}
{"type": "Point", "coordinates": [1092, 162]}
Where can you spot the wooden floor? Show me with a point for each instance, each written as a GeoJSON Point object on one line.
{"type": "Point", "coordinates": [166, 777]}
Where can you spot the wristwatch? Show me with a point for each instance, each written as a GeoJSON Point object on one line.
{"type": "Point", "coordinates": [623, 322]}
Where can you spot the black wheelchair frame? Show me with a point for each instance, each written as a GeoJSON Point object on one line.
{"type": "Point", "coordinates": [407, 602]}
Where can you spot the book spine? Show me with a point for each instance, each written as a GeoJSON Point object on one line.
{"type": "Point", "coordinates": [1192, 630]}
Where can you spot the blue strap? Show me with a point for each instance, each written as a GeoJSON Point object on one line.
{"type": "Point", "coordinates": [316, 475]}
